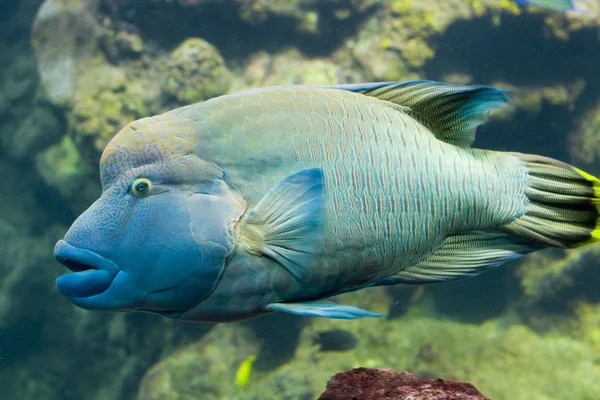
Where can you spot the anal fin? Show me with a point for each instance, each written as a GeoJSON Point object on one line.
{"type": "Point", "coordinates": [463, 255]}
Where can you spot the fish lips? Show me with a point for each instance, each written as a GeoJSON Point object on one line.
{"type": "Point", "coordinates": [92, 274]}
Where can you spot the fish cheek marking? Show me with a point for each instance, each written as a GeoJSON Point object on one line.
{"type": "Point", "coordinates": [191, 224]}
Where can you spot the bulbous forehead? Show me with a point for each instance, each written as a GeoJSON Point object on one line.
{"type": "Point", "coordinates": [157, 147]}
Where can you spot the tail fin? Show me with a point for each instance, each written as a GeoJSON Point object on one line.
{"type": "Point", "coordinates": [564, 205]}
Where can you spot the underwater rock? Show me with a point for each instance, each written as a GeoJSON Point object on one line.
{"type": "Point", "coordinates": [306, 14]}
{"type": "Point", "coordinates": [27, 252]}
{"type": "Point", "coordinates": [506, 362]}
{"type": "Point", "coordinates": [562, 25]}
{"type": "Point", "coordinates": [38, 130]}
{"type": "Point", "coordinates": [289, 67]}
{"type": "Point", "coordinates": [17, 85]}
{"type": "Point", "coordinates": [27, 122]}
{"type": "Point", "coordinates": [64, 33]}
{"type": "Point", "coordinates": [196, 72]}
{"type": "Point", "coordinates": [86, 69]}
{"type": "Point", "coordinates": [584, 140]}
{"type": "Point", "coordinates": [107, 98]}
{"type": "Point", "coordinates": [27, 296]}
{"type": "Point", "coordinates": [395, 43]}
{"type": "Point", "coordinates": [386, 384]}
{"type": "Point", "coordinates": [62, 167]}
{"type": "Point", "coordinates": [398, 41]}
{"type": "Point", "coordinates": [555, 281]}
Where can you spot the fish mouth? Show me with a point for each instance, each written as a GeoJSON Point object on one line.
{"type": "Point", "coordinates": [91, 273]}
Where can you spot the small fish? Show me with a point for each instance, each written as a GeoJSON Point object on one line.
{"type": "Point", "coordinates": [556, 5]}
{"type": "Point", "coordinates": [242, 375]}
{"type": "Point", "coordinates": [275, 199]}
{"type": "Point", "coordinates": [335, 340]}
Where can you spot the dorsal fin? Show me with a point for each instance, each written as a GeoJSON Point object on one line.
{"type": "Point", "coordinates": [451, 112]}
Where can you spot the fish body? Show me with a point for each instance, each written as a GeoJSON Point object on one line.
{"type": "Point", "coordinates": [242, 375]}
{"type": "Point", "coordinates": [335, 340]}
{"type": "Point", "coordinates": [274, 199]}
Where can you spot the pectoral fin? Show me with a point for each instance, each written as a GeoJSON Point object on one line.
{"type": "Point", "coordinates": [286, 225]}
{"type": "Point", "coordinates": [322, 308]}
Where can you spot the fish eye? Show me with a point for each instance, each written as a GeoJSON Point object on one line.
{"type": "Point", "coordinates": [141, 186]}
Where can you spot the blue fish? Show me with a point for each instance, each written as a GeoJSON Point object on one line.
{"type": "Point", "coordinates": [556, 5]}
{"type": "Point", "coordinates": [275, 199]}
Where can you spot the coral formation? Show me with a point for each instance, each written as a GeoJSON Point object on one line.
{"type": "Point", "coordinates": [386, 384]}
{"type": "Point", "coordinates": [196, 72]}
{"type": "Point", "coordinates": [62, 168]}
{"type": "Point", "coordinates": [585, 140]}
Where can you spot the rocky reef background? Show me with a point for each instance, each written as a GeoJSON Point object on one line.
{"type": "Point", "coordinates": [73, 72]}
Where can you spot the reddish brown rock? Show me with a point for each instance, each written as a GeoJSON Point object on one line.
{"type": "Point", "coordinates": [386, 384]}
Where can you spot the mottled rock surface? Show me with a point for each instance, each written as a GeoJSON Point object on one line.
{"type": "Point", "coordinates": [386, 384]}
{"type": "Point", "coordinates": [196, 72]}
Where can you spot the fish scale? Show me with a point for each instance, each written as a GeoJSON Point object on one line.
{"type": "Point", "coordinates": [362, 148]}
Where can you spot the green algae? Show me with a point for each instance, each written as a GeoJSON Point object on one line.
{"type": "Point", "coordinates": [108, 97]}
{"type": "Point", "coordinates": [587, 324]}
{"type": "Point", "coordinates": [304, 14]}
{"type": "Point", "coordinates": [532, 98]}
{"type": "Point", "coordinates": [398, 41]}
{"type": "Point", "coordinates": [196, 71]}
{"type": "Point", "coordinates": [63, 159]}
{"type": "Point", "coordinates": [544, 274]}
{"type": "Point", "coordinates": [98, 108]}
{"type": "Point", "coordinates": [585, 139]}
{"type": "Point", "coordinates": [287, 67]}
{"type": "Point", "coordinates": [62, 167]}
{"type": "Point", "coordinates": [562, 25]}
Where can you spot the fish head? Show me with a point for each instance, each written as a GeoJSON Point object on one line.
{"type": "Point", "coordinates": [158, 237]}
